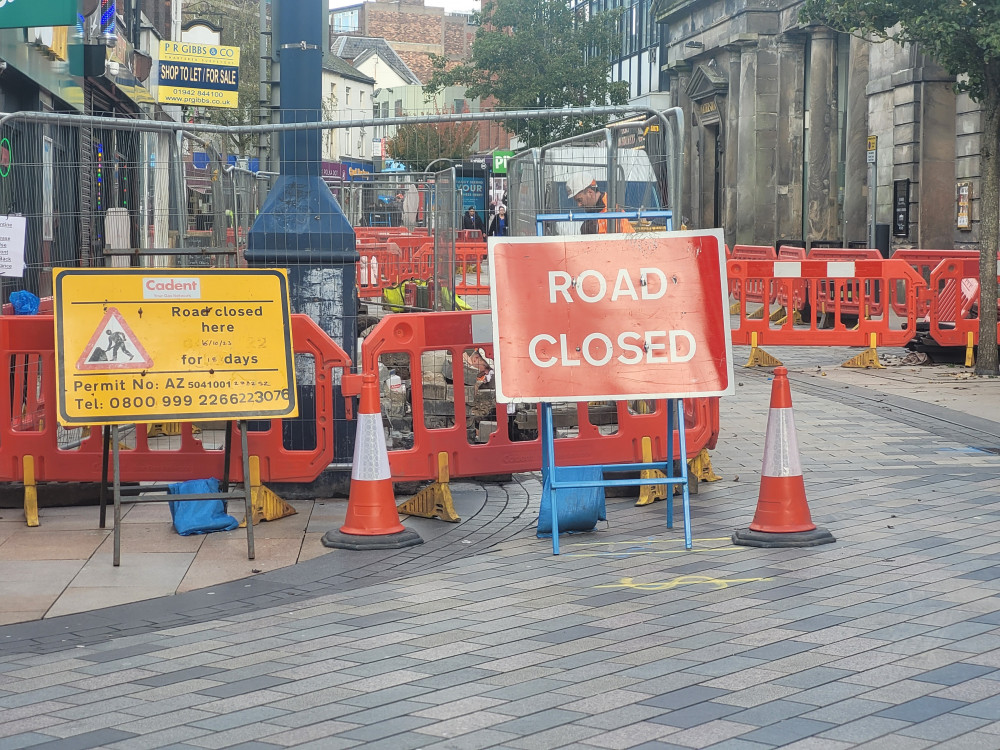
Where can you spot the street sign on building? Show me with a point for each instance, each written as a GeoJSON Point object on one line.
{"type": "Point", "coordinates": [610, 317]}
{"type": "Point", "coordinates": [143, 345]}
{"type": "Point", "coordinates": [198, 75]}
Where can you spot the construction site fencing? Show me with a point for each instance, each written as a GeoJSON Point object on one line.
{"type": "Point", "coordinates": [439, 407]}
{"type": "Point", "coordinates": [828, 303]}
{"type": "Point", "coordinates": [32, 443]}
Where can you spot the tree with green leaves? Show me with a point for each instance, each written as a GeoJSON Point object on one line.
{"type": "Point", "coordinates": [532, 54]}
{"type": "Point", "coordinates": [419, 145]}
{"type": "Point", "coordinates": [964, 37]}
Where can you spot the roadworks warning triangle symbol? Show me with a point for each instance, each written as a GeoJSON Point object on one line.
{"type": "Point", "coordinates": [114, 347]}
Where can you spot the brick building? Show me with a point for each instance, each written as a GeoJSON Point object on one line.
{"type": "Point", "coordinates": [414, 30]}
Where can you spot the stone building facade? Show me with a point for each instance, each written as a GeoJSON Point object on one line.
{"type": "Point", "coordinates": [414, 30]}
{"type": "Point", "coordinates": [779, 118]}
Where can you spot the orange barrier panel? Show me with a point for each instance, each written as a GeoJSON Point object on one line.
{"type": "Point", "coordinates": [924, 262]}
{"type": "Point", "coordinates": [753, 293]}
{"type": "Point", "coordinates": [955, 286]}
{"type": "Point", "coordinates": [470, 262]}
{"type": "Point", "coordinates": [836, 281]}
{"type": "Point", "coordinates": [30, 340]}
{"type": "Point", "coordinates": [378, 268]}
{"type": "Point", "coordinates": [855, 299]}
{"type": "Point", "coordinates": [431, 339]}
{"type": "Point", "coordinates": [799, 300]}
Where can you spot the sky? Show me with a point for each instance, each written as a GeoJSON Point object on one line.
{"type": "Point", "coordinates": [453, 6]}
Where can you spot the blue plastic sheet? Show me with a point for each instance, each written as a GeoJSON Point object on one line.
{"type": "Point", "coordinates": [25, 303]}
{"type": "Point", "coordinates": [579, 508]}
{"type": "Point", "coordinates": [199, 516]}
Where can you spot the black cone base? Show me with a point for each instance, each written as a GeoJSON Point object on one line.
{"type": "Point", "coordinates": [751, 538]}
{"type": "Point", "coordinates": [339, 540]}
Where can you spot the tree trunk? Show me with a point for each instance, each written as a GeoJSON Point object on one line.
{"type": "Point", "coordinates": [989, 229]}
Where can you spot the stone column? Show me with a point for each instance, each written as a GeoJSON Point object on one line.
{"type": "Point", "coordinates": [856, 158]}
{"type": "Point", "coordinates": [746, 146]}
{"type": "Point", "coordinates": [821, 192]}
{"type": "Point", "coordinates": [791, 137]}
{"type": "Point", "coordinates": [730, 137]}
{"type": "Point", "coordinates": [935, 226]}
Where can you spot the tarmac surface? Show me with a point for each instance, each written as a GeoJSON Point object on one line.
{"type": "Point", "coordinates": [481, 638]}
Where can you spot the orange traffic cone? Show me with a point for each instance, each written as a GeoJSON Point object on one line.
{"type": "Point", "coordinates": [782, 518]}
{"type": "Point", "coordinates": [372, 520]}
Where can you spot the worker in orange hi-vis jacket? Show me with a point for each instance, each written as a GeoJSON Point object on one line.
{"type": "Point", "coordinates": [582, 188]}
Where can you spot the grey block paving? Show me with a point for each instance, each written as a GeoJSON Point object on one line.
{"type": "Point", "coordinates": [480, 638]}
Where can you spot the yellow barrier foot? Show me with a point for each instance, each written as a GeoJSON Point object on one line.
{"type": "Point", "coordinates": [433, 501]}
{"type": "Point", "coordinates": [756, 314]}
{"type": "Point", "coordinates": [650, 493]}
{"type": "Point", "coordinates": [701, 466]}
{"type": "Point", "coordinates": [779, 316]}
{"type": "Point", "coordinates": [868, 359]}
{"type": "Point", "coordinates": [970, 357]}
{"type": "Point", "coordinates": [30, 492]}
{"type": "Point", "coordinates": [264, 503]}
{"type": "Point", "coordinates": [734, 309]}
{"type": "Point", "coordinates": [758, 357]}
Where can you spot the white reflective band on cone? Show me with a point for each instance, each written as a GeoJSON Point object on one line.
{"type": "Point", "coordinates": [781, 450]}
{"type": "Point", "coordinates": [371, 459]}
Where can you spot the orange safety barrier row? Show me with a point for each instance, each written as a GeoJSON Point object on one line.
{"type": "Point", "coordinates": [429, 339]}
{"type": "Point", "coordinates": [839, 303]}
{"type": "Point", "coordinates": [28, 345]}
{"type": "Point", "coordinates": [957, 289]}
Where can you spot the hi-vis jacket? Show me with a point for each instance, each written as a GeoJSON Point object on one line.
{"type": "Point", "coordinates": [600, 226]}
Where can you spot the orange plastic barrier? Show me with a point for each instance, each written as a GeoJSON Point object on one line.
{"type": "Point", "coordinates": [29, 341]}
{"type": "Point", "coordinates": [798, 300]}
{"type": "Point", "coordinates": [861, 300]}
{"type": "Point", "coordinates": [378, 268]}
{"type": "Point", "coordinates": [836, 282]}
{"type": "Point", "coordinates": [925, 261]}
{"type": "Point", "coordinates": [450, 334]}
{"type": "Point", "coordinates": [470, 262]}
{"type": "Point", "coordinates": [755, 292]}
{"type": "Point", "coordinates": [955, 286]}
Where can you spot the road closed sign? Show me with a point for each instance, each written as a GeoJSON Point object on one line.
{"type": "Point", "coordinates": [143, 345]}
{"type": "Point", "coordinates": [610, 317]}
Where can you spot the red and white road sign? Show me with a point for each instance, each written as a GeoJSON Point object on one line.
{"type": "Point", "coordinates": [610, 317]}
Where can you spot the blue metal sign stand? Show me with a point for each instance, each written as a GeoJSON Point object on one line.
{"type": "Point", "coordinates": [675, 414]}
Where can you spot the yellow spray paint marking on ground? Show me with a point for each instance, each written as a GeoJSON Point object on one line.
{"type": "Point", "coordinates": [718, 583]}
{"type": "Point", "coordinates": [647, 547]}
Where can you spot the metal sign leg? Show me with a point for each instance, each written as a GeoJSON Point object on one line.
{"type": "Point", "coordinates": [116, 561]}
{"type": "Point", "coordinates": [247, 489]}
{"type": "Point", "coordinates": [549, 468]}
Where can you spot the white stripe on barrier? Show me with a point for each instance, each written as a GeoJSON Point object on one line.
{"type": "Point", "coordinates": [781, 451]}
{"type": "Point", "coordinates": [787, 269]}
{"type": "Point", "coordinates": [371, 459]}
{"type": "Point", "coordinates": [840, 269]}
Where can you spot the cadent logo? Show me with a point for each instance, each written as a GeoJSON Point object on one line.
{"type": "Point", "coordinates": [160, 287]}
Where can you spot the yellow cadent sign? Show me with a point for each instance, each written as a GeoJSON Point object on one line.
{"type": "Point", "coordinates": [202, 75]}
{"type": "Point", "coordinates": [143, 345]}
{"type": "Point", "coordinates": [872, 142]}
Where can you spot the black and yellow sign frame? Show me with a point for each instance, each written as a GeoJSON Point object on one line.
{"type": "Point", "coordinates": [151, 345]}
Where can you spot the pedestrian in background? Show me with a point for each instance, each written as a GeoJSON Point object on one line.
{"type": "Point", "coordinates": [498, 224]}
{"type": "Point", "coordinates": [471, 220]}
